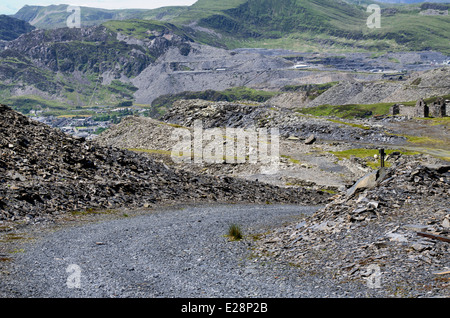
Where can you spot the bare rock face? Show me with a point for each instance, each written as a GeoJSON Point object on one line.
{"type": "Point", "coordinates": [45, 172]}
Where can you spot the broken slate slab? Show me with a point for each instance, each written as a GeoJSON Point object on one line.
{"type": "Point", "coordinates": [310, 140]}
{"type": "Point", "coordinates": [396, 237]}
{"type": "Point", "coordinates": [368, 181]}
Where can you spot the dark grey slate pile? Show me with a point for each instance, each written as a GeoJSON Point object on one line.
{"type": "Point", "coordinates": [44, 171]}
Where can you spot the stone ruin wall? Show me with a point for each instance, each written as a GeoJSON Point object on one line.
{"type": "Point", "coordinates": [440, 108]}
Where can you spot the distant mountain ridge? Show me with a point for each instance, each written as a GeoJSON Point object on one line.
{"type": "Point", "coordinates": [55, 16]}
{"type": "Point", "coordinates": [138, 55]}
{"type": "Point", "coordinates": [302, 25]}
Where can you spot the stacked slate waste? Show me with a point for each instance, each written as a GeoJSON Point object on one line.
{"type": "Point", "coordinates": [395, 221]}
{"type": "Point", "coordinates": [44, 172]}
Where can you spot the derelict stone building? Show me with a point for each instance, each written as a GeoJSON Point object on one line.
{"type": "Point", "coordinates": [436, 109]}
{"type": "Point", "coordinates": [421, 109]}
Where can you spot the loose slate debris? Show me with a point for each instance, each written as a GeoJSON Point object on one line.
{"type": "Point", "coordinates": [287, 121]}
{"type": "Point", "coordinates": [45, 172]}
{"type": "Point", "coordinates": [398, 225]}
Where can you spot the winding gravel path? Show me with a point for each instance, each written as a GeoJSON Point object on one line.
{"type": "Point", "coordinates": [182, 253]}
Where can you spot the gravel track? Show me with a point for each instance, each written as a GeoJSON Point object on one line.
{"type": "Point", "coordinates": [175, 253]}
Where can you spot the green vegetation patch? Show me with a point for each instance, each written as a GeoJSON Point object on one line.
{"type": "Point", "coordinates": [313, 25]}
{"type": "Point", "coordinates": [234, 232]}
{"type": "Point", "coordinates": [436, 121]}
{"type": "Point", "coordinates": [11, 28]}
{"type": "Point", "coordinates": [142, 29]}
{"type": "Point", "coordinates": [422, 139]}
{"type": "Point", "coordinates": [433, 99]}
{"type": "Point", "coordinates": [24, 104]}
{"type": "Point", "coordinates": [349, 111]}
{"type": "Point", "coordinates": [292, 160]}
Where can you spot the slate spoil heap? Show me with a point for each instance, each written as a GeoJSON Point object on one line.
{"type": "Point", "coordinates": [44, 172]}
{"type": "Point", "coordinates": [398, 225]}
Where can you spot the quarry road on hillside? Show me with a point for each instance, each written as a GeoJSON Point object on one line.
{"type": "Point", "coordinates": [179, 252]}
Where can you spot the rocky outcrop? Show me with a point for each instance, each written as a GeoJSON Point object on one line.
{"type": "Point", "coordinates": [83, 59]}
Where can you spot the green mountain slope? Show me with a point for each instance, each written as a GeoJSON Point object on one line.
{"type": "Point", "coordinates": [55, 16]}
{"type": "Point", "coordinates": [317, 24]}
{"type": "Point", "coordinates": [305, 25]}
{"type": "Point", "coordinates": [79, 67]}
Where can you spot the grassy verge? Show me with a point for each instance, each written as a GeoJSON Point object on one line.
{"type": "Point", "coordinates": [422, 140]}
{"type": "Point", "coordinates": [349, 111]}
{"type": "Point", "coordinates": [436, 121]}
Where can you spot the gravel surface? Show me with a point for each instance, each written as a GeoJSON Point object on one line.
{"type": "Point", "coordinates": [177, 252]}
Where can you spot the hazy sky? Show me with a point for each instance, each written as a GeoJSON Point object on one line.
{"type": "Point", "coordinates": [12, 6]}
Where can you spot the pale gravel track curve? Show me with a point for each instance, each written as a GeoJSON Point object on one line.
{"type": "Point", "coordinates": [175, 253]}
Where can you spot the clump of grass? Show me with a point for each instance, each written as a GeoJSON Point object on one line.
{"type": "Point", "coordinates": [416, 81]}
{"type": "Point", "coordinates": [291, 159]}
{"type": "Point", "coordinates": [234, 232]}
{"type": "Point", "coordinates": [328, 191]}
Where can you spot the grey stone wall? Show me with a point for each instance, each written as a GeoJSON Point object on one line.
{"type": "Point", "coordinates": [437, 109]}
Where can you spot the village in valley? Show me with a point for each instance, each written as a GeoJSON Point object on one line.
{"type": "Point", "coordinates": [87, 126]}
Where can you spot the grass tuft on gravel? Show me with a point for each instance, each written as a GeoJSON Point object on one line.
{"type": "Point", "coordinates": [234, 232]}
